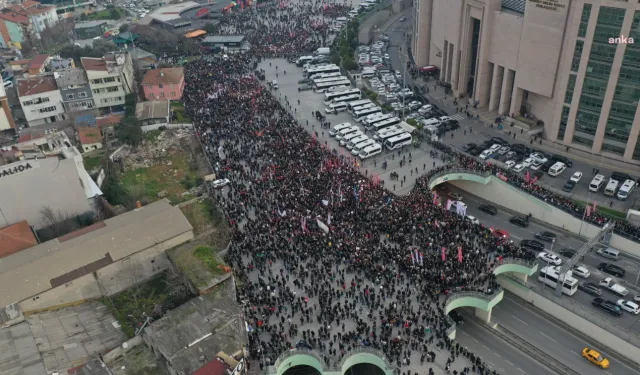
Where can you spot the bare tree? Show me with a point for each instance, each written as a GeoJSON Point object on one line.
{"type": "Point", "coordinates": [177, 282]}
{"type": "Point", "coordinates": [59, 33]}
{"type": "Point", "coordinates": [58, 222]}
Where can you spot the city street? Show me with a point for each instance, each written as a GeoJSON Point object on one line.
{"type": "Point", "coordinates": [481, 133]}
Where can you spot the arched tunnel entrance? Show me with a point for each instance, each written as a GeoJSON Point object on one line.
{"type": "Point", "coordinates": [364, 369]}
{"type": "Point", "coordinates": [302, 370]}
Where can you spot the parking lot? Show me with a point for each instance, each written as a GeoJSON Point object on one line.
{"type": "Point", "coordinates": [305, 104]}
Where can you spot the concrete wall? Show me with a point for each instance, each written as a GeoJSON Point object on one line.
{"type": "Point", "coordinates": [108, 280]}
{"type": "Point", "coordinates": [516, 200]}
{"type": "Point", "coordinates": [148, 128]}
{"type": "Point", "coordinates": [120, 351]}
{"type": "Point", "coordinates": [505, 46]}
{"type": "Point", "coordinates": [601, 335]}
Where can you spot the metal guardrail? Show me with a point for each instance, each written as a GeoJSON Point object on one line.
{"type": "Point", "coordinates": [520, 261]}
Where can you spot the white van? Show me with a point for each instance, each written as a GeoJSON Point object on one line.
{"type": "Point", "coordinates": [337, 128]}
{"type": "Point", "coordinates": [354, 141]}
{"type": "Point", "coordinates": [596, 183]}
{"type": "Point", "coordinates": [353, 13]}
{"type": "Point", "coordinates": [336, 107]}
{"type": "Point", "coordinates": [341, 20]}
{"type": "Point", "coordinates": [612, 187]}
{"type": "Point", "coordinates": [368, 73]}
{"type": "Point", "coordinates": [556, 169]}
{"type": "Point", "coordinates": [302, 60]}
{"type": "Point", "coordinates": [370, 151]}
{"type": "Point", "coordinates": [361, 146]}
{"type": "Point", "coordinates": [347, 131]}
{"type": "Point", "coordinates": [626, 189]}
{"type": "Point", "coordinates": [349, 137]}
{"type": "Point", "coordinates": [431, 122]}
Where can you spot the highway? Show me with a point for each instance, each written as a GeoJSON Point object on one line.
{"type": "Point", "coordinates": [555, 340]}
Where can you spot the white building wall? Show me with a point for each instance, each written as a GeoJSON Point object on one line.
{"type": "Point", "coordinates": [40, 114]}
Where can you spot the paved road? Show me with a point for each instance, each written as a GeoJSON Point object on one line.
{"type": "Point", "coordinates": [555, 340]}
{"type": "Point", "coordinates": [499, 354]}
{"type": "Point", "coordinates": [564, 240]}
{"type": "Point", "coordinates": [481, 133]}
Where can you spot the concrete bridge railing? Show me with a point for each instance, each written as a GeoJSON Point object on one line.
{"type": "Point", "coordinates": [517, 265]}
{"type": "Point", "coordinates": [449, 175]}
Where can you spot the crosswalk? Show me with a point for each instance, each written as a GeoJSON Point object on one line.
{"type": "Point", "coordinates": [458, 117]}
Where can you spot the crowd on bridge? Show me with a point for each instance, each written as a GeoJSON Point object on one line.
{"type": "Point", "coordinates": [329, 260]}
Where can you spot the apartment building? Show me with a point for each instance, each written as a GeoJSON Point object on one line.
{"type": "Point", "coordinates": [14, 29]}
{"type": "Point", "coordinates": [163, 83]}
{"type": "Point", "coordinates": [6, 117]}
{"type": "Point", "coordinates": [40, 16]}
{"type": "Point", "coordinates": [110, 79]}
{"type": "Point", "coordinates": [40, 100]}
{"type": "Point", "coordinates": [75, 90]}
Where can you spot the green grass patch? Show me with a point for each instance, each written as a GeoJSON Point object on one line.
{"type": "Point", "coordinates": [201, 215]}
{"type": "Point", "coordinates": [181, 117]}
{"type": "Point", "coordinates": [152, 135]}
{"type": "Point", "coordinates": [606, 211]}
{"type": "Point", "coordinates": [207, 255]}
{"type": "Point", "coordinates": [149, 299]}
{"type": "Point", "coordinates": [92, 162]}
{"type": "Point", "coordinates": [174, 173]}
{"type": "Point", "coordinates": [107, 14]}
{"type": "Point", "coordinates": [177, 105]}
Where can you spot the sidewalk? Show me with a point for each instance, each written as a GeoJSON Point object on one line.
{"type": "Point", "coordinates": [486, 118]}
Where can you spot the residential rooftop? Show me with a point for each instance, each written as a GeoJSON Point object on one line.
{"type": "Point", "coordinates": [16, 237]}
{"type": "Point", "coordinates": [163, 76]}
{"type": "Point", "coordinates": [38, 61]}
{"type": "Point", "coordinates": [71, 77]}
{"type": "Point", "coordinates": [89, 24]}
{"type": "Point", "coordinates": [154, 109]}
{"type": "Point", "coordinates": [224, 39]}
{"type": "Point", "coordinates": [172, 11]}
{"type": "Point", "coordinates": [89, 135]}
{"type": "Point", "coordinates": [36, 85]}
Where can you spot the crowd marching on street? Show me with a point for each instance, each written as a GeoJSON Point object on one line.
{"type": "Point", "coordinates": [330, 260]}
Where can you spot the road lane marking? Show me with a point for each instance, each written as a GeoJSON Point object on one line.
{"type": "Point", "coordinates": [498, 355]}
{"type": "Point", "coordinates": [520, 320]}
{"type": "Point", "coordinates": [508, 362]}
{"type": "Point", "coordinates": [473, 338]}
{"type": "Point", "coordinates": [575, 353]}
{"type": "Point", "coordinates": [547, 336]}
{"type": "Point", "coordinates": [519, 369]}
{"type": "Point", "coordinates": [608, 372]}
{"type": "Point", "coordinates": [490, 364]}
{"type": "Point", "coordinates": [485, 347]}
{"type": "Point", "coordinates": [464, 333]}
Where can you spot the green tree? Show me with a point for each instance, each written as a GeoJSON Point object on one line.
{"type": "Point", "coordinates": [412, 122]}
{"type": "Point", "coordinates": [350, 64]}
{"type": "Point", "coordinates": [83, 17]}
{"type": "Point", "coordinates": [210, 28]}
{"type": "Point", "coordinates": [124, 27]}
{"type": "Point", "coordinates": [114, 14]}
{"type": "Point", "coordinates": [129, 131]}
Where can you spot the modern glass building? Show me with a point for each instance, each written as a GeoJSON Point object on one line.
{"type": "Point", "coordinates": [573, 66]}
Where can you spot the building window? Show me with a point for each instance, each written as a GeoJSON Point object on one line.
{"type": "Point", "coordinates": [162, 94]}
{"type": "Point", "coordinates": [584, 20]}
{"type": "Point", "coordinates": [71, 96]}
{"type": "Point", "coordinates": [161, 85]}
{"type": "Point", "coordinates": [47, 109]}
{"type": "Point", "coordinates": [563, 122]}
{"type": "Point", "coordinates": [173, 94]}
{"type": "Point", "coordinates": [577, 55]}
{"type": "Point", "coordinates": [96, 81]}
{"type": "Point", "coordinates": [149, 87]}
{"type": "Point", "coordinates": [109, 79]}
{"type": "Point", "coordinates": [82, 95]}
{"type": "Point", "coordinates": [570, 87]}
{"type": "Point", "coordinates": [113, 89]}
{"type": "Point", "coordinates": [152, 95]}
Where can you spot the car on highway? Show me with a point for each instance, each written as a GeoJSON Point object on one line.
{"type": "Point", "coordinates": [612, 269]}
{"type": "Point", "coordinates": [629, 306]}
{"type": "Point", "coordinates": [402, 19]}
{"type": "Point", "coordinates": [532, 245]}
{"type": "Point", "coordinates": [519, 168]}
{"type": "Point", "coordinates": [486, 154]}
{"type": "Point", "coordinates": [548, 257]}
{"type": "Point", "coordinates": [568, 253]}
{"type": "Point", "coordinates": [456, 317]}
{"type": "Point", "coordinates": [219, 184]}
{"type": "Point", "coordinates": [503, 150]}
{"type": "Point", "coordinates": [546, 236]}
{"type": "Point", "coordinates": [509, 164]}
{"type": "Point", "coordinates": [455, 196]}
{"type": "Point", "coordinates": [487, 208]}
{"type": "Point", "coordinates": [595, 358]}
{"type": "Point", "coordinates": [580, 271]}
{"type": "Point", "coordinates": [501, 233]}
{"type": "Point", "coordinates": [520, 221]}
{"type": "Point", "coordinates": [568, 186]}
{"type": "Point", "coordinates": [608, 306]}
{"type": "Point", "coordinates": [473, 220]}
{"type": "Point", "coordinates": [468, 147]}
{"type": "Point", "coordinates": [590, 288]}
{"type": "Point", "coordinates": [576, 177]}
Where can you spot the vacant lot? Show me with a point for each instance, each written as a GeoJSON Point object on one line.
{"type": "Point", "coordinates": [174, 173]}
{"type": "Point", "coordinates": [200, 263]}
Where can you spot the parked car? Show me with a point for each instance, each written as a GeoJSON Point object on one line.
{"type": "Point", "coordinates": [509, 164]}
{"type": "Point", "coordinates": [491, 210]}
{"type": "Point", "coordinates": [521, 221]}
{"type": "Point", "coordinates": [590, 288]}
{"type": "Point", "coordinates": [568, 186]}
{"type": "Point", "coordinates": [612, 269]}
{"type": "Point", "coordinates": [304, 88]}
{"type": "Point", "coordinates": [499, 140]}
{"type": "Point", "coordinates": [503, 150]}
{"type": "Point", "coordinates": [546, 236]}
{"type": "Point", "coordinates": [485, 154]}
{"type": "Point", "coordinates": [219, 184]}
{"type": "Point", "coordinates": [519, 168]}
{"type": "Point", "coordinates": [511, 155]}
{"type": "Point", "coordinates": [468, 147]}
{"type": "Point", "coordinates": [576, 177]}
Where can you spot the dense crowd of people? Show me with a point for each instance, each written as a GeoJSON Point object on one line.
{"type": "Point", "coordinates": [329, 259]}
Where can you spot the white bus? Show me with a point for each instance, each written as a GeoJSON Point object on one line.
{"type": "Point", "coordinates": [626, 189]}
{"type": "Point", "coordinates": [383, 124]}
{"type": "Point", "coordinates": [331, 96]}
{"type": "Point", "coordinates": [381, 137]}
{"type": "Point", "coordinates": [321, 69]}
{"type": "Point", "coordinates": [357, 103]}
{"type": "Point", "coordinates": [346, 99]}
{"type": "Point", "coordinates": [327, 85]}
{"type": "Point", "coordinates": [318, 81]}
{"type": "Point", "coordinates": [360, 115]}
{"type": "Point", "coordinates": [356, 140]}
{"type": "Point", "coordinates": [336, 107]}
{"type": "Point", "coordinates": [549, 276]}
{"type": "Point", "coordinates": [327, 75]}
{"type": "Point", "coordinates": [363, 107]}
{"type": "Point", "coordinates": [361, 146]}
{"type": "Point", "coordinates": [376, 118]}
{"type": "Point", "coordinates": [399, 141]}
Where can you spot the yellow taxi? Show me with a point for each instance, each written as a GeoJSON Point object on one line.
{"type": "Point", "coordinates": [595, 358]}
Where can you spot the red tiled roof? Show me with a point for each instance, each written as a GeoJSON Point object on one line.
{"type": "Point", "coordinates": [19, 62]}
{"type": "Point", "coordinates": [108, 120]}
{"type": "Point", "coordinates": [38, 61]}
{"type": "Point", "coordinates": [215, 367]}
{"type": "Point", "coordinates": [31, 7]}
{"type": "Point", "coordinates": [16, 237]}
{"type": "Point", "coordinates": [89, 135]}
{"type": "Point", "coordinates": [90, 63]}
{"type": "Point", "coordinates": [36, 85]}
{"type": "Point", "coordinates": [14, 17]}
{"type": "Point", "coordinates": [163, 76]}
